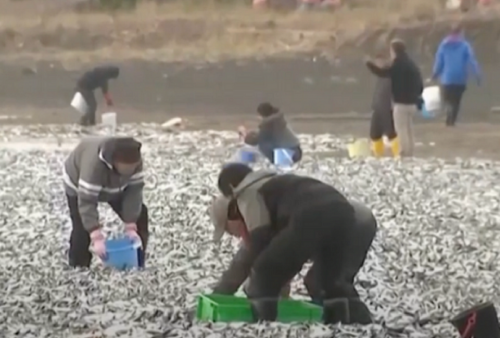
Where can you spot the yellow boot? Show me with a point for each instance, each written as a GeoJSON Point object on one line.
{"type": "Point", "coordinates": [378, 147]}
{"type": "Point", "coordinates": [395, 149]}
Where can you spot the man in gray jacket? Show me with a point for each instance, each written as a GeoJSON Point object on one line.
{"type": "Point", "coordinates": [104, 169]}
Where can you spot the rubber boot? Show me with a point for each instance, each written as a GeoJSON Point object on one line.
{"type": "Point", "coordinates": [378, 147]}
{"type": "Point", "coordinates": [335, 311]}
{"type": "Point", "coordinates": [264, 309]}
{"type": "Point", "coordinates": [346, 311]}
{"type": "Point", "coordinates": [395, 148]}
{"type": "Point", "coordinates": [481, 321]}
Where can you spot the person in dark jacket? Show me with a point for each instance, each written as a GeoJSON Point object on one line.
{"type": "Point", "coordinates": [273, 133]}
{"type": "Point", "coordinates": [104, 169]}
{"type": "Point", "coordinates": [454, 57]}
{"type": "Point", "coordinates": [382, 122]}
{"type": "Point", "coordinates": [90, 81]}
{"type": "Point", "coordinates": [406, 88]}
{"type": "Point", "coordinates": [360, 239]}
{"type": "Point", "coordinates": [284, 221]}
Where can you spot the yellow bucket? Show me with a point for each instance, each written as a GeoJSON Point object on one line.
{"type": "Point", "coordinates": [359, 148]}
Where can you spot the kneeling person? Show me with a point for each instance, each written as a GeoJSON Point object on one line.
{"type": "Point", "coordinates": [104, 169]}
{"type": "Point", "coordinates": [286, 220]}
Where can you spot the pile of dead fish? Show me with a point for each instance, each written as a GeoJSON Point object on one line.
{"type": "Point", "coordinates": [435, 254]}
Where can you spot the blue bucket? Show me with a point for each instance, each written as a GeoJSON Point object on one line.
{"type": "Point", "coordinates": [425, 113]}
{"type": "Point", "coordinates": [283, 158]}
{"type": "Point", "coordinates": [247, 156]}
{"type": "Point", "coordinates": [122, 253]}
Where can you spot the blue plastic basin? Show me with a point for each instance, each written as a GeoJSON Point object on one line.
{"type": "Point", "coordinates": [122, 253]}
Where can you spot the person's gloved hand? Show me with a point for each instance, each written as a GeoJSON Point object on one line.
{"type": "Point", "coordinates": [109, 101]}
{"type": "Point", "coordinates": [131, 232]}
{"type": "Point", "coordinates": [98, 243]}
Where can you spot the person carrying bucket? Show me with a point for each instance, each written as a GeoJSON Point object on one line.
{"type": "Point", "coordinates": [90, 81]}
{"type": "Point", "coordinates": [285, 221]}
{"type": "Point", "coordinates": [273, 133]}
{"type": "Point", "coordinates": [104, 169]}
{"type": "Point", "coordinates": [454, 58]}
{"type": "Point", "coordinates": [382, 122]}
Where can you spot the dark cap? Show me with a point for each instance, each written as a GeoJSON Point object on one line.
{"type": "Point", "coordinates": [266, 109]}
{"type": "Point", "coordinates": [127, 150]}
{"type": "Point", "coordinates": [398, 46]}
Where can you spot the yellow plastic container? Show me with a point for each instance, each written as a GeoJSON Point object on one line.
{"type": "Point", "coordinates": [359, 148]}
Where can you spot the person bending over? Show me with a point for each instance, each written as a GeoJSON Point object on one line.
{"type": "Point", "coordinates": [104, 169]}
{"type": "Point", "coordinates": [90, 81]}
{"type": "Point", "coordinates": [285, 221]}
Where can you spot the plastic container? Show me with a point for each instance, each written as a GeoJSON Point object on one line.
{"type": "Point", "coordinates": [122, 253]}
{"type": "Point", "coordinates": [222, 308]}
{"type": "Point", "coordinates": [359, 148]}
{"type": "Point", "coordinates": [79, 103]}
{"type": "Point", "coordinates": [432, 98]}
{"type": "Point", "coordinates": [480, 321]}
{"type": "Point", "coordinates": [283, 158]}
{"type": "Point", "coordinates": [248, 156]}
{"type": "Point", "coordinates": [109, 120]}
{"type": "Point", "coordinates": [426, 114]}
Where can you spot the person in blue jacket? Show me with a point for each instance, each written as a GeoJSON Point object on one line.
{"type": "Point", "coordinates": [454, 58]}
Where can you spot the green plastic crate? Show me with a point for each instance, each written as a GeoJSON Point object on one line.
{"type": "Point", "coordinates": [222, 308]}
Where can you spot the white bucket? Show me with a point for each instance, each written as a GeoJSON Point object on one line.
{"type": "Point", "coordinates": [109, 120]}
{"type": "Point", "coordinates": [432, 98]}
{"type": "Point", "coordinates": [79, 103]}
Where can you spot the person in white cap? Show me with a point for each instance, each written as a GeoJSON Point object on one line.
{"type": "Point", "coordinates": [284, 221]}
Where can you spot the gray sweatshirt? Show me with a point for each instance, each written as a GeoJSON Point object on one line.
{"type": "Point", "coordinates": [89, 175]}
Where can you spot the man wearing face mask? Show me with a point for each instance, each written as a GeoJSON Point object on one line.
{"type": "Point", "coordinates": [104, 169]}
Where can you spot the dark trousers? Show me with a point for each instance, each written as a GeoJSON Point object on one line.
{"type": "Point", "coordinates": [382, 123]}
{"type": "Point", "coordinates": [79, 242]}
{"type": "Point", "coordinates": [322, 234]}
{"type": "Point", "coordinates": [89, 118]}
{"type": "Point", "coordinates": [452, 97]}
{"type": "Point", "coordinates": [359, 239]}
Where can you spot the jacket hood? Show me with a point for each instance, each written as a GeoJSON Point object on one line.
{"type": "Point", "coordinates": [252, 178]}
{"type": "Point", "coordinates": [454, 42]}
{"type": "Point", "coordinates": [275, 121]}
{"type": "Point", "coordinates": [108, 148]}
{"type": "Point", "coordinates": [113, 71]}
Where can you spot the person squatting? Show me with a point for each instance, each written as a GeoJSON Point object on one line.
{"type": "Point", "coordinates": [104, 169]}
{"type": "Point", "coordinates": [285, 220]}
{"type": "Point", "coordinates": [273, 133]}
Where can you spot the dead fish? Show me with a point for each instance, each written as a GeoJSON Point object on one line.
{"type": "Point", "coordinates": [435, 252]}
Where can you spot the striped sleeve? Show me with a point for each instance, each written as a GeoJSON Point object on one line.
{"type": "Point", "coordinates": [89, 188]}
{"type": "Point", "coordinates": [132, 198]}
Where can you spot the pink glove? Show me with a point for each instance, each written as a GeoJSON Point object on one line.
{"type": "Point", "coordinates": [131, 232]}
{"type": "Point", "coordinates": [98, 243]}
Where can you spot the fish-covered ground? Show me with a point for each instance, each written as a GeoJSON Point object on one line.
{"type": "Point", "coordinates": [435, 254]}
